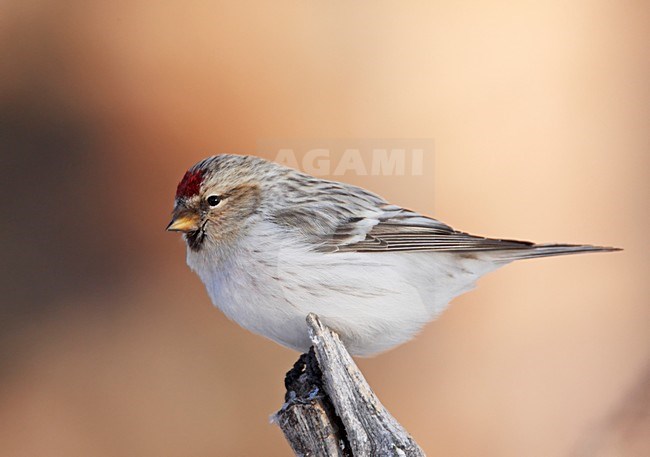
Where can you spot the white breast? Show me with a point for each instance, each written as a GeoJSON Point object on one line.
{"type": "Point", "coordinates": [375, 301]}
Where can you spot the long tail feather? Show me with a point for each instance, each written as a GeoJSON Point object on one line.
{"type": "Point", "coordinates": [548, 250]}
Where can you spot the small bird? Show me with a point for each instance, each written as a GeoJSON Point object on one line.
{"type": "Point", "coordinates": [272, 244]}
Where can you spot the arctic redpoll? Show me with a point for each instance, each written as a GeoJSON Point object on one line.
{"type": "Point", "coordinates": [273, 244]}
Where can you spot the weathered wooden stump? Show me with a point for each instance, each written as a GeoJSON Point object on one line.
{"type": "Point", "coordinates": [330, 410]}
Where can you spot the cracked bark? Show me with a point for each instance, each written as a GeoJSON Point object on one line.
{"type": "Point", "coordinates": [330, 410]}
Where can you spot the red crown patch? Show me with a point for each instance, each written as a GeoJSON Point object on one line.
{"type": "Point", "coordinates": [190, 184]}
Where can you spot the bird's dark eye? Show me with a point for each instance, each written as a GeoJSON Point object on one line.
{"type": "Point", "coordinates": [214, 200]}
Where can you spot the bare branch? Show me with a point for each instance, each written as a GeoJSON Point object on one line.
{"type": "Point", "coordinates": [330, 409]}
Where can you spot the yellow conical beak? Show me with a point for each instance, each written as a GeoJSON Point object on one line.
{"type": "Point", "coordinates": [184, 222]}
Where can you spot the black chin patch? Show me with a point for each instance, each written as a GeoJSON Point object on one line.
{"type": "Point", "coordinates": [195, 239]}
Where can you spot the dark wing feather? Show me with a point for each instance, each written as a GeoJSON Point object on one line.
{"type": "Point", "coordinates": [337, 217]}
{"type": "Point", "coordinates": [398, 229]}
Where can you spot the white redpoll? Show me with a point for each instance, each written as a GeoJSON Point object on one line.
{"type": "Point", "coordinates": [273, 244]}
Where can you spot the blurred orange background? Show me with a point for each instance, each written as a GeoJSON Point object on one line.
{"type": "Point", "coordinates": [109, 345]}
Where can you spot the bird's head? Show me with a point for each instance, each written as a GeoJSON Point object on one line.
{"type": "Point", "coordinates": [217, 198]}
